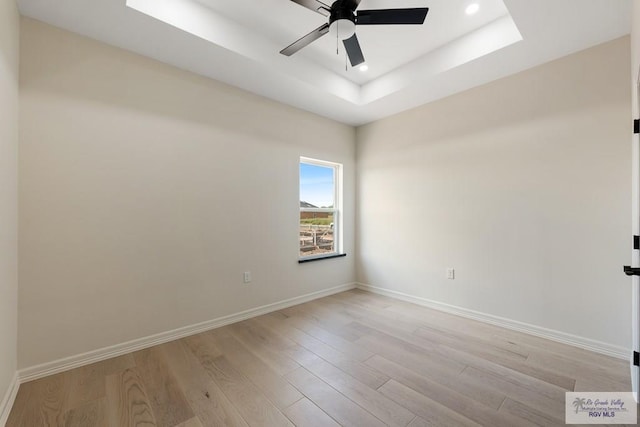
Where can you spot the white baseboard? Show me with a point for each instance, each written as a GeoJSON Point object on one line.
{"type": "Point", "coordinates": [72, 362]}
{"type": "Point", "coordinates": [561, 337]}
{"type": "Point", "coordinates": [7, 402]}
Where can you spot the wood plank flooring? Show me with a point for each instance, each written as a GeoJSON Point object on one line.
{"type": "Point", "coordinates": [352, 359]}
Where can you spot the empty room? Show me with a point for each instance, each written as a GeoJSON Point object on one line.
{"type": "Point", "coordinates": [314, 213]}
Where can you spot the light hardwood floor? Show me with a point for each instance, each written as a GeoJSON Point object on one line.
{"type": "Point", "coordinates": [352, 359]}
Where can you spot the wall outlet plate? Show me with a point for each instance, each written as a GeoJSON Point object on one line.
{"type": "Point", "coordinates": [247, 277]}
{"type": "Point", "coordinates": [451, 273]}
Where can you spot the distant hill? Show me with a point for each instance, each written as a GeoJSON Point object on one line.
{"type": "Point", "coordinates": [307, 205]}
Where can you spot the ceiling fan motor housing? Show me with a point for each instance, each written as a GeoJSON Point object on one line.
{"type": "Point", "coordinates": [342, 20]}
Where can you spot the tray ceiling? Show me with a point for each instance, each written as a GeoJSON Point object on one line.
{"type": "Point", "coordinates": [238, 42]}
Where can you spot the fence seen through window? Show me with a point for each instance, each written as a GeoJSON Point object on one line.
{"type": "Point", "coordinates": [319, 208]}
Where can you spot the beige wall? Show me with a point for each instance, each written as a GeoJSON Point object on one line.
{"type": "Point", "coordinates": [146, 191]}
{"type": "Point", "coordinates": [522, 185]}
{"type": "Point", "coordinates": [9, 32]}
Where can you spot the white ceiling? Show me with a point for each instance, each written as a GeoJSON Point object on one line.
{"type": "Point", "coordinates": [238, 41]}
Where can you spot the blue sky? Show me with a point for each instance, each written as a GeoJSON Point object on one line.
{"type": "Point", "coordinates": [316, 185]}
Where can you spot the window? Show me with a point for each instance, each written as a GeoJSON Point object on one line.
{"type": "Point", "coordinates": [320, 199]}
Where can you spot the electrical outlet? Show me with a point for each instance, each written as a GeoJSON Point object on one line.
{"type": "Point", "coordinates": [247, 277]}
{"type": "Point", "coordinates": [451, 273]}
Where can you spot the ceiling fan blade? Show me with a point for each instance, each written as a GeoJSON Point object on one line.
{"type": "Point", "coordinates": [353, 50]}
{"type": "Point", "coordinates": [315, 5]}
{"type": "Point", "coordinates": [415, 16]}
{"type": "Point", "coordinates": [306, 40]}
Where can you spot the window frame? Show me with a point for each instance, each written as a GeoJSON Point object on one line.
{"type": "Point", "coordinates": [336, 210]}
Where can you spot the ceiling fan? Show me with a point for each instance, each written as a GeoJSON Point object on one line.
{"type": "Point", "coordinates": [343, 19]}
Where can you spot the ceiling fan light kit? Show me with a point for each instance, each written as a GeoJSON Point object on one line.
{"type": "Point", "coordinates": [343, 19]}
{"type": "Point", "coordinates": [342, 29]}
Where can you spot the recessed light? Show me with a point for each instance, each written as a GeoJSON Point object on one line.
{"type": "Point", "coordinates": [472, 9]}
{"type": "Point", "coordinates": [364, 68]}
